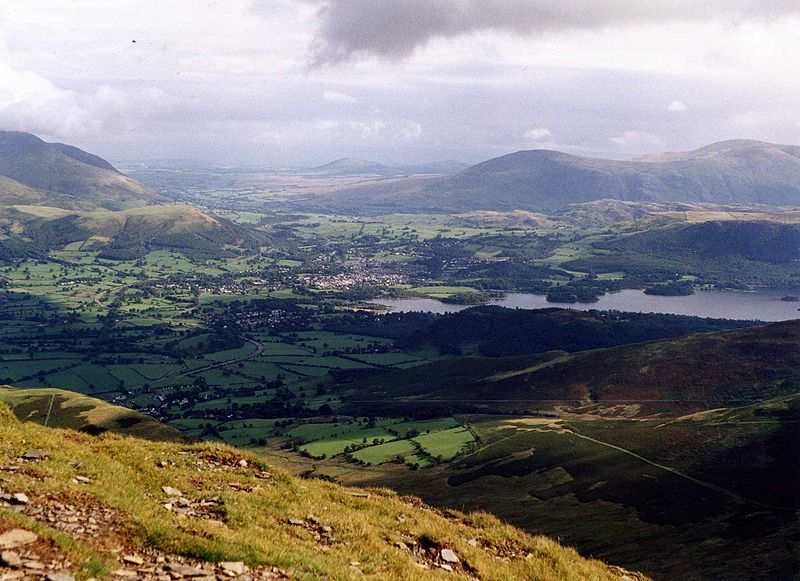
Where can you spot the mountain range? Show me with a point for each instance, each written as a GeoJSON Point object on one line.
{"type": "Point", "coordinates": [728, 172]}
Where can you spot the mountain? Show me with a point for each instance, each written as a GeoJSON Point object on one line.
{"type": "Point", "coordinates": [728, 172]}
{"type": "Point", "coordinates": [53, 174]}
{"type": "Point", "coordinates": [76, 504]}
{"type": "Point", "coordinates": [32, 231]}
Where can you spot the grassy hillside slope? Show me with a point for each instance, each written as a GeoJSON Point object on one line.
{"type": "Point", "coordinates": [708, 495]}
{"type": "Point", "coordinates": [98, 505]}
{"type": "Point", "coordinates": [67, 409]}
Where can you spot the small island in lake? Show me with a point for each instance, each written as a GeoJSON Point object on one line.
{"type": "Point", "coordinates": [471, 298]}
{"type": "Point", "coordinates": [574, 294]}
{"type": "Point", "coordinates": [671, 289]}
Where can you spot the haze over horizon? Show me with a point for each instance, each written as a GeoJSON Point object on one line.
{"type": "Point", "coordinates": [286, 82]}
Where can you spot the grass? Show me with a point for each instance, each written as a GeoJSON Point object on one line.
{"type": "Point", "coordinates": [125, 477]}
{"type": "Point", "coordinates": [384, 452]}
{"type": "Point", "coordinates": [445, 444]}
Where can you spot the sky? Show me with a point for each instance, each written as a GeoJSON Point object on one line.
{"type": "Point", "coordinates": [302, 82]}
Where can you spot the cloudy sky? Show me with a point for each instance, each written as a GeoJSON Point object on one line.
{"type": "Point", "coordinates": [301, 82]}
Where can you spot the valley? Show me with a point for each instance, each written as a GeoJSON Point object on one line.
{"type": "Point", "coordinates": [377, 290]}
{"type": "Point", "coordinates": [233, 312]}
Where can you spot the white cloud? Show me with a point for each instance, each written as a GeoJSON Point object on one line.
{"type": "Point", "coordinates": [537, 134]}
{"type": "Point", "coordinates": [676, 107]}
{"type": "Point", "coordinates": [585, 71]}
{"type": "Point", "coordinates": [408, 131]}
{"type": "Point", "coordinates": [30, 102]}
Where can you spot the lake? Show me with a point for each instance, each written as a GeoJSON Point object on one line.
{"type": "Point", "coordinates": [763, 305]}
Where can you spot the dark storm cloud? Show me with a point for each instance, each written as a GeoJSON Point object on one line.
{"type": "Point", "coordinates": [393, 29]}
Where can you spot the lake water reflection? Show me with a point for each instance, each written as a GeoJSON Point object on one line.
{"type": "Point", "coordinates": [763, 305]}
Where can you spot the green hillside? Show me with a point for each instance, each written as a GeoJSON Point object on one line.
{"type": "Point", "coordinates": [33, 231]}
{"type": "Point", "coordinates": [124, 507]}
{"type": "Point", "coordinates": [67, 409]}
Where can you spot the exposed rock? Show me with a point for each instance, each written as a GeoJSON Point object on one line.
{"type": "Point", "coordinates": [448, 556]}
{"type": "Point", "coordinates": [296, 522]}
{"type": "Point", "coordinates": [186, 570]}
{"type": "Point", "coordinates": [170, 491]}
{"type": "Point", "coordinates": [10, 559]}
{"type": "Point", "coordinates": [83, 479]}
{"type": "Point", "coordinates": [36, 455]}
{"type": "Point", "coordinates": [235, 567]}
{"type": "Point", "coordinates": [60, 577]}
{"type": "Point", "coordinates": [20, 498]}
{"type": "Point", "coordinates": [16, 538]}
{"type": "Point", "coordinates": [133, 560]}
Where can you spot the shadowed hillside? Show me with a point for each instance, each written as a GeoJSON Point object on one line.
{"type": "Point", "coordinates": [696, 372]}
{"type": "Point", "coordinates": [500, 332]}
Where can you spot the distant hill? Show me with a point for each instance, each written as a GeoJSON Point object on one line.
{"type": "Point", "coordinates": [763, 241]}
{"type": "Point", "coordinates": [735, 251]}
{"type": "Point", "coordinates": [53, 174]}
{"type": "Point", "coordinates": [210, 511]}
{"type": "Point", "coordinates": [32, 231]}
{"type": "Point", "coordinates": [728, 172]}
{"type": "Point", "coordinates": [349, 166]}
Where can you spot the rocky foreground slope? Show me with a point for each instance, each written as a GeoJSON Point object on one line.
{"type": "Point", "coordinates": [79, 506]}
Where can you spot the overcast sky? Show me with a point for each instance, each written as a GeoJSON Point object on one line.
{"type": "Point", "coordinates": [301, 82]}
